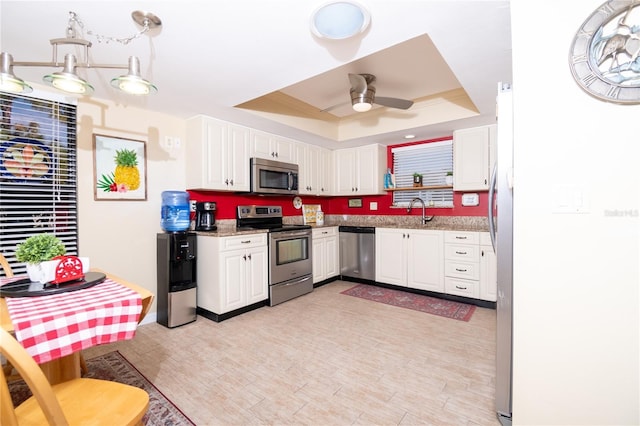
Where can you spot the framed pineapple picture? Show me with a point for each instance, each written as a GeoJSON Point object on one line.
{"type": "Point", "coordinates": [120, 169]}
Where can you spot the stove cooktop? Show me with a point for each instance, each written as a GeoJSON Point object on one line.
{"type": "Point", "coordinates": [264, 217]}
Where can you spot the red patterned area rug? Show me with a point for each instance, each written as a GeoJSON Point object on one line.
{"type": "Point", "coordinates": [417, 302]}
{"type": "Point", "coordinates": [114, 366]}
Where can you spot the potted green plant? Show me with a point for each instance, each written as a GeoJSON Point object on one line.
{"type": "Point", "coordinates": [417, 179]}
{"type": "Point", "coordinates": [35, 251]}
{"type": "Point", "coordinates": [448, 179]}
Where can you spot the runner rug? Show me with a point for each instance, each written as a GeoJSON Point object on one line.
{"type": "Point", "coordinates": [115, 367]}
{"type": "Point", "coordinates": [417, 302]}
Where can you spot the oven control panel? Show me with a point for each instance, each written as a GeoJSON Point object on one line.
{"type": "Point", "coordinates": [253, 211]}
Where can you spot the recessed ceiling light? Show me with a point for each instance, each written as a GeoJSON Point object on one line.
{"type": "Point", "coordinates": [409, 136]}
{"type": "Point", "coordinates": [339, 20]}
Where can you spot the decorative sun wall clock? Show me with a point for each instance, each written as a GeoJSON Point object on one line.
{"type": "Point", "coordinates": [604, 57]}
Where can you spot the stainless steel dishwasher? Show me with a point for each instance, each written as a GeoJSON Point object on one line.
{"type": "Point", "coordinates": [358, 252]}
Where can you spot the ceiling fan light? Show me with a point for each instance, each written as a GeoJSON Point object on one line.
{"type": "Point", "coordinates": [361, 106]}
{"type": "Point", "coordinates": [8, 81]}
{"type": "Point", "coordinates": [132, 83]}
{"type": "Point", "coordinates": [340, 20]}
{"type": "Point", "coordinates": [67, 80]}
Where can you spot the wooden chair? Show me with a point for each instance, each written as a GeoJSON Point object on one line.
{"type": "Point", "coordinates": [78, 401]}
{"type": "Point", "coordinates": [5, 266]}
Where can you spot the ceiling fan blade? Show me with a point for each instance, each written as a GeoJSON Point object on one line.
{"type": "Point", "coordinates": [358, 83]}
{"type": "Point", "coordinates": [393, 102]}
{"type": "Point", "coordinates": [332, 107]}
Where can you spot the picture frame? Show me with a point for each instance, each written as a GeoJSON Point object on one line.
{"type": "Point", "coordinates": [355, 202]}
{"type": "Point", "coordinates": [119, 169]}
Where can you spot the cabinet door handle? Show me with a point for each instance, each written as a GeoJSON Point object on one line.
{"type": "Point", "coordinates": [461, 270]}
{"type": "Point", "coordinates": [231, 182]}
{"type": "Point", "coordinates": [249, 256]}
{"type": "Point", "coordinates": [244, 257]}
{"type": "Point", "coordinates": [461, 252]}
{"type": "Point", "coordinates": [482, 253]}
{"type": "Point", "coordinates": [226, 181]}
{"type": "Point", "coordinates": [460, 288]}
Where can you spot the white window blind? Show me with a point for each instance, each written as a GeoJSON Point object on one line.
{"type": "Point", "coordinates": [432, 160]}
{"type": "Point", "coordinates": [37, 172]}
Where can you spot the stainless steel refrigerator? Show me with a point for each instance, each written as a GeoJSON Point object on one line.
{"type": "Point", "coordinates": [501, 229]}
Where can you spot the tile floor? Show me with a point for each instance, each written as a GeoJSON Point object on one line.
{"type": "Point", "coordinates": [323, 359]}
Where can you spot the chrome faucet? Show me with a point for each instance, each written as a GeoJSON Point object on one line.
{"type": "Point", "coordinates": [425, 219]}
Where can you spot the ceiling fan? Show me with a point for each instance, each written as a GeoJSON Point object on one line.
{"type": "Point", "coordinates": [363, 95]}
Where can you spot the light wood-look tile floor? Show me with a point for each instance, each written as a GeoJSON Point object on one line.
{"type": "Point", "coordinates": [323, 359]}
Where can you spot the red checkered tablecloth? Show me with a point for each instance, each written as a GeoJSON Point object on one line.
{"type": "Point", "coordinates": [53, 326]}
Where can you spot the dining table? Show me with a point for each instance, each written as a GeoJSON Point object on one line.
{"type": "Point", "coordinates": [58, 357]}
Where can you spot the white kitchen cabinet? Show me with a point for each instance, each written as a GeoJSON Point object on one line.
{"type": "Point", "coordinates": [473, 158]}
{"type": "Point", "coordinates": [470, 265]}
{"type": "Point", "coordinates": [410, 258]}
{"type": "Point", "coordinates": [488, 269]}
{"type": "Point", "coordinates": [232, 272]}
{"type": "Point", "coordinates": [359, 171]}
{"type": "Point", "coordinates": [315, 169]}
{"type": "Point", "coordinates": [326, 258]}
{"type": "Point", "coordinates": [272, 147]}
{"type": "Point", "coordinates": [217, 155]}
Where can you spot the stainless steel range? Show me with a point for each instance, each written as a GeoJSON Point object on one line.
{"type": "Point", "coordinates": [290, 268]}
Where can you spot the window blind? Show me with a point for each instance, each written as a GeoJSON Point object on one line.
{"type": "Point", "coordinates": [38, 173]}
{"type": "Point", "coordinates": [432, 160]}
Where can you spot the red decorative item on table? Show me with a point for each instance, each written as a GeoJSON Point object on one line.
{"type": "Point", "coordinates": [68, 269]}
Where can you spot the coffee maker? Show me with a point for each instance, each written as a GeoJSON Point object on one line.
{"type": "Point", "coordinates": [205, 216]}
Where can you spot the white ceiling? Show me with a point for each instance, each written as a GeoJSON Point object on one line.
{"type": "Point", "coordinates": [208, 57]}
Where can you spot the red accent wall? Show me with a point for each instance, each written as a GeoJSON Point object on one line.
{"type": "Point", "coordinates": [227, 202]}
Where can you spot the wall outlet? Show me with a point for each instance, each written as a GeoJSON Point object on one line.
{"type": "Point", "coordinates": [373, 205]}
{"type": "Point", "coordinates": [192, 205]}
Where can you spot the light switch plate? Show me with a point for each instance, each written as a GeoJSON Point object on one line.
{"type": "Point", "coordinates": [470, 199]}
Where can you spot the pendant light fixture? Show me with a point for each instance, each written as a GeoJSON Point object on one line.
{"type": "Point", "coordinates": [68, 80]}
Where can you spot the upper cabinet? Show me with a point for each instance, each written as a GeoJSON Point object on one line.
{"type": "Point", "coordinates": [272, 147]}
{"type": "Point", "coordinates": [315, 169]}
{"type": "Point", "coordinates": [473, 158]}
{"type": "Point", "coordinates": [359, 171]}
{"type": "Point", "coordinates": [217, 155]}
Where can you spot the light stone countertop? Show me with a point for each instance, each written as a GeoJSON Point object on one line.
{"type": "Point", "coordinates": [227, 227]}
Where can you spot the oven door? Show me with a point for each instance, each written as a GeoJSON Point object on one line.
{"type": "Point", "coordinates": [289, 255]}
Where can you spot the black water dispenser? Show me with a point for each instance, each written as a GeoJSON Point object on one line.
{"type": "Point", "coordinates": [177, 271]}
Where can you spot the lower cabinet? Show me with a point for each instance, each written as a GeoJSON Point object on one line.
{"type": "Point", "coordinates": [326, 258]}
{"type": "Point", "coordinates": [488, 269]}
{"type": "Point", "coordinates": [232, 272]}
{"type": "Point", "coordinates": [470, 265]}
{"type": "Point", "coordinates": [410, 258]}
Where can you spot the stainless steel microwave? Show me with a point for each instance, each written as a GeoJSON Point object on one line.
{"type": "Point", "coordinates": [273, 177]}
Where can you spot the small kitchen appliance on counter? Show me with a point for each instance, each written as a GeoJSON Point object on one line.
{"type": "Point", "coordinates": [205, 216]}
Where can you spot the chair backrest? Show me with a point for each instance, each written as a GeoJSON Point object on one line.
{"type": "Point", "coordinates": [5, 266]}
{"type": "Point", "coordinates": [31, 373]}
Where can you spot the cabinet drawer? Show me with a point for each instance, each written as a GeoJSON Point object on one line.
{"type": "Point", "coordinates": [466, 270]}
{"type": "Point", "coordinates": [464, 288]}
{"type": "Point", "coordinates": [243, 241]}
{"type": "Point", "coordinates": [329, 231]}
{"type": "Point", "coordinates": [461, 253]}
{"type": "Point", "coordinates": [461, 237]}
